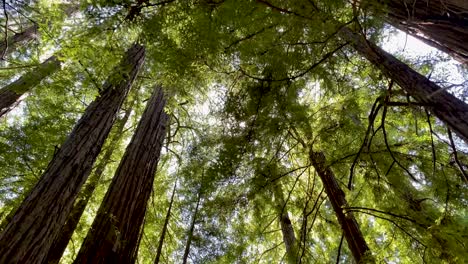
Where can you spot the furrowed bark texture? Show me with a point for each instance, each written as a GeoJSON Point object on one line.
{"type": "Point", "coordinates": [29, 34]}
{"type": "Point", "coordinates": [11, 94]}
{"type": "Point", "coordinates": [166, 224]}
{"type": "Point", "coordinates": [451, 110]}
{"type": "Point", "coordinates": [190, 234]}
{"type": "Point", "coordinates": [61, 242]}
{"type": "Point", "coordinates": [116, 230]}
{"type": "Point", "coordinates": [442, 24]}
{"type": "Point", "coordinates": [41, 216]}
{"type": "Point", "coordinates": [356, 242]}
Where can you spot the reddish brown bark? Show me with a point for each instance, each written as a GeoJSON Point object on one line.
{"type": "Point", "coordinates": [40, 218]}
{"type": "Point", "coordinates": [356, 242]}
{"type": "Point", "coordinates": [117, 228]}
{"type": "Point", "coordinates": [445, 106]}
{"type": "Point", "coordinates": [60, 244]}
{"type": "Point", "coordinates": [442, 24]}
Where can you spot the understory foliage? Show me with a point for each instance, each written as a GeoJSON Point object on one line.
{"type": "Point", "coordinates": [252, 87]}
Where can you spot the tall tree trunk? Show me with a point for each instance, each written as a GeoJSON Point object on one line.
{"type": "Point", "coordinates": [356, 242]}
{"type": "Point", "coordinates": [11, 94]}
{"type": "Point", "coordinates": [41, 216]}
{"type": "Point", "coordinates": [448, 108]}
{"type": "Point", "coordinates": [287, 229]}
{"type": "Point", "coordinates": [192, 228]}
{"type": "Point", "coordinates": [166, 223]}
{"type": "Point", "coordinates": [117, 228]}
{"type": "Point", "coordinates": [442, 24]}
{"type": "Point", "coordinates": [13, 42]}
{"type": "Point", "coordinates": [61, 242]}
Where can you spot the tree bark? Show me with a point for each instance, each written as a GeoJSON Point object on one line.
{"type": "Point", "coordinates": [166, 223]}
{"type": "Point", "coordinates": [61, 242]}
{"type": "Point", "coordinates": [356, 242]}
{"type": "Point", "coordinates": [117, 228]}
{"type": "Point", "coordinates": [41, 216]}
{"type": "Point", "coordinates": [287, 229]}
{"type": "Point", "coordinates": [11, 94]}
{"type": "Point", "coordinates": [441, 24]}
{"type": "Point", "coordinates": [13, 42]}
{"type": "Point", "coordinates": [190, 234]}
{"type": "Point", "coordinates": [451, 110]}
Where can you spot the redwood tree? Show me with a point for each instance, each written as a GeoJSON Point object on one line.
{"type": "Point", "coordinates": [445, 106]}
{"type": "Point", "coordinates": [117, 228]}
{"type": "Point", "coordinates": [41, 216]}
{"type": "Point", "coordinates": [356, 242]}
{"type": "Point", "coordinates": [11, 94]}
{"type": "Point", "coordinates": [60, 244]}
{"type": "Point", "coordinates": [441, 24]}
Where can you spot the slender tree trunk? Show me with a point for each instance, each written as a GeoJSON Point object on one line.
{"type": "Point", "coordinates": [166, 223]}
{"type": "Point", "coordinates": [116, 230]}
{"type": "Point", "coordinates": [448, 108]}
{"type": "Point", "coordinates": [287, 229]}
{"type": "Point", "coordinates": [30, 33]}
{"type": "Point", "coordinates": [41, 216]}
{"type": "Point", "coordinates": [190, 234]}
{"type": "Point", "coordinates": [13, 42]}
{"type": "Point", "coordinates": [11, 94]}
{"type": "Point", "coordinates": [442, 24]}
{"type": "Point", "coordinates": [356, 242]}
{"type": "Point", "coordinates": [61, 242]}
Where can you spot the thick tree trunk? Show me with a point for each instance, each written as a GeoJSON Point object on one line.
{"type": "Point", "coordinates": [445, 106]}
{"type": "Point", "coordinates": [11, 94]}
{"type": "Point", "coordinates": [190, 234]}
{"type": "Point", "coordinates": [60, 244]}
{"type": "Point", "coordinates": [13, 42]}
{"type": "Point", "coordinates": [356, 242]}
{"type": "Point", "coordinates": [117, 228]}
{"type": "Point", "coordinates": [166, 224]}
{"type": "Point", "coordinates": [442, 24]}
{"type": "Point", "coordinates": [41, 216]}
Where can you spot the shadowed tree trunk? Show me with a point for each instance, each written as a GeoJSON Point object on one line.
{"type": "Point", "coordinates": [356, 242]}
{"type": "Point", "coordinates": [287, 229]}
{"type": "Point", "coordinates": [13, 42]}
{"type": "Point", "coordinates": [445, 106]}
{"type": "Point", "coordinates": [117, 228]}
{"type": "Point", "coordinates": [166, 223]}
{"type": "Point", "coordinates": [60, 244]}
{"type": "Point", "coordinates": [442, 24]}
{"type": "Point", "coordinates": [30, 33]}
{"type": "Point", "coordinates": [192, 228]}
{"type": "Point", "coordinates": [40, 218]}
{"type": "Point", "coordinates": [11, 94]}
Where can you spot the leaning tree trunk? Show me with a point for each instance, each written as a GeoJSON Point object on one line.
{"type": "Point", "coordinates": [192, 228]}
{"type": "Point", "coordinates": [442, 24]}
{"type": "Point", "coordinates": [11, 94]}
{"type": "Point", "coordinates": [41, 216]}
{"type": "Point", "coordinates": [117, 228]}
{"type": "Point", "coordinates": [13, 42]}
{"type": "Point", "coordinates": [287, 229]}
{"type": "Point", "coordinates": [448, 108]}
{"type": "Point", "coordinates": [166, 224]}
{"type": "Point", "coordinates": [356, 242]}
{"type": "Point", "coordinates": [61, 242]}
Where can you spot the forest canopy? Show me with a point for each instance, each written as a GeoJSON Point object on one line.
{"type": "Point", "coordinates": [233, 131]}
